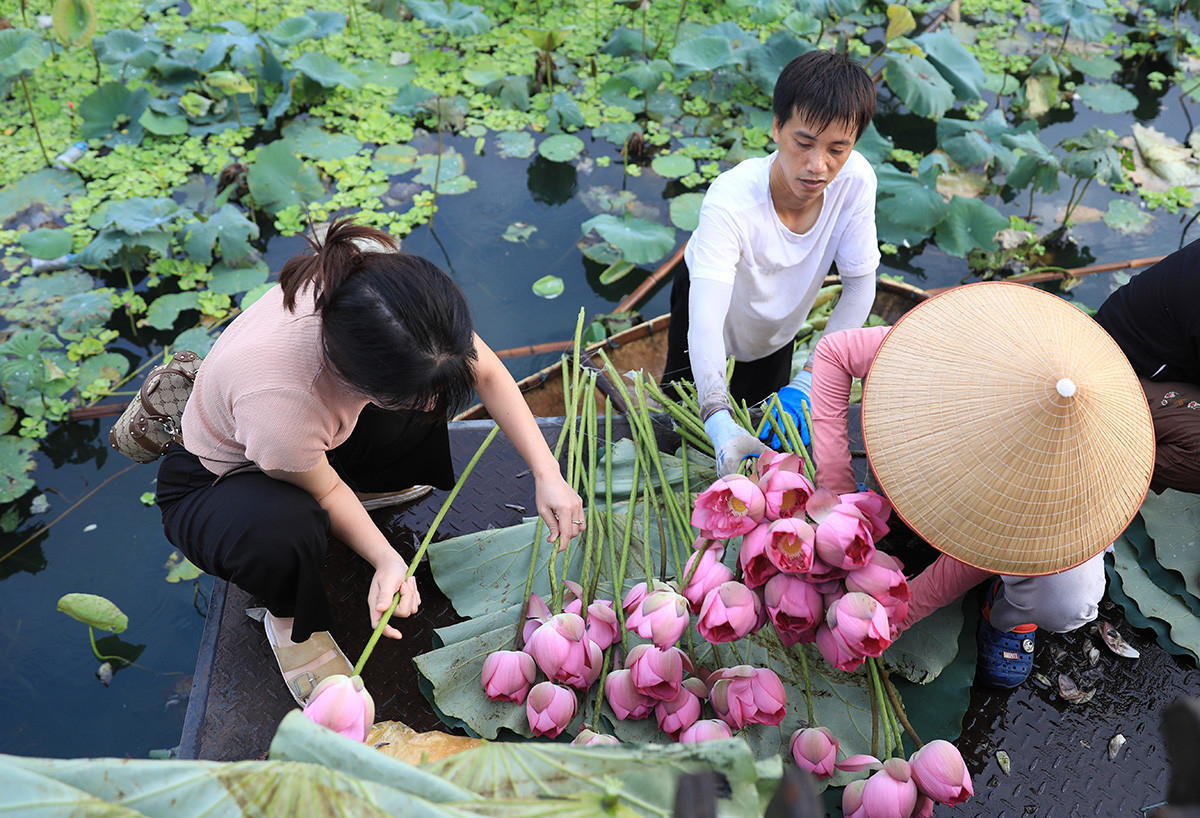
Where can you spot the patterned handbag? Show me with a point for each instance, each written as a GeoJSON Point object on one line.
{"type": "Point", "coordinates": [151, 422]}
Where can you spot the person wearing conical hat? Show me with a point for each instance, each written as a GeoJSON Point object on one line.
{"type": "Point", "coordinates": [1155, 319]}
{"type": "Point", "coordinates": [1009, 432]}
{"type": "Point", "coordinates": [768, 233]}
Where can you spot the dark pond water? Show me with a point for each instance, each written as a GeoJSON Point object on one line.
{"type": "Point", "coordinates": [51, 704]}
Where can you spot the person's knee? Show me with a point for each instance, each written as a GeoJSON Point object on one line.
{"type": "Point", "coordinates": [285, 541]}
{"type": "Point", "coordinates": [1058, 602]}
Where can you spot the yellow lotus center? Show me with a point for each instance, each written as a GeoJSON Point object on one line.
{"type": "Point", "coordinates": [737, 506]}
{"type": "Point", "coordinates": [789, 544]}
{"type": "Point", "coordinates": [789, 503]}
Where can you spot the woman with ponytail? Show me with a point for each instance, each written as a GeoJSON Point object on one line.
{"type": "Point", "coordinates": [335, 383]}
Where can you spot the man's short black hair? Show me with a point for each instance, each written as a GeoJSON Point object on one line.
{"type": "Point", "coordinates": [825, 87]}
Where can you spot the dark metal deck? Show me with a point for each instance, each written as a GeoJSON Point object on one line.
{"type": "Point", "coordinates": [1058, 751]}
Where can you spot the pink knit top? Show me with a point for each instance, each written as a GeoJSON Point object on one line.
{"type": "Point", "coordinates": [264, 396]}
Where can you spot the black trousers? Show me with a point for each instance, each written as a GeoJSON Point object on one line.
{"type": "Point", "coordinates": [752, 381]}
{"type": "Point", "coordinates": [269, 537]}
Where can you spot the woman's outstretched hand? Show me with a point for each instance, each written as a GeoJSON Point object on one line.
{"type": "Point", "coordinates": [561, 508]}
{"type": "Point", "coordinates": [388, 579]}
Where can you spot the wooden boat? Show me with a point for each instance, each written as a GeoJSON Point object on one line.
{"type": "Point", "coordinates": [644, 347]}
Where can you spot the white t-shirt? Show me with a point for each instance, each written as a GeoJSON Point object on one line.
{"type": "Point", "coordinates": [771, 275]}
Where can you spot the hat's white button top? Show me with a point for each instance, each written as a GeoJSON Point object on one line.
{"type": "Point", "coordinates": [1065, 387]}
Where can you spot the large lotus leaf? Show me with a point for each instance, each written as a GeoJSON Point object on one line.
{"type": "Point", "coordinates": [515, 144]}
{"type": "Point", "coordinates": [139, 214]}
{"type": "Point", "coordinates": [459, 19]}
{"type": "Point", "coordinates": [560, 147]}
{"type": "Point", "coordinates": [906, 210]}
{"type": "Point", "coordinates": [1171, 581]}
{"type": "Point", "coordinates": [484, 71]}
{"type": "Point", "coordinates": [109, 366]}
{"type": "Point", "coordinates": [51, 187]}
{"type": "Point", "coordinates": [828, 8]}
{"type": "Point", "coordinates": [95, 611]}
{"type": "Point", "coordinates": [1126, 217]}
{"type": "Point", "coordinates": [164, 311]}
{"type": "Point", "coordinates": [1094, 155]}
{"type": "Point", "coordinates": [1173, 522]}
{"type": "Point", "coordinates": [969, 224]}
{"type": "Point", "coordinates": [876, 147]}
{"type": "Point", "coordinates": [127, 787]}
{"type": "Point", "coordinates": [564, 114]}
{"type": "Point", "coordinates": [113, 108]}
{"type": "Point", "coordinates": [1095, 65]}
{"type": "Point", "coordinates": [46, 242]}
{"type": "Point", "coordinates": [646, 76]}
{"type": "Point", "coordinates": [703, 54]}
{"type": "Point", "coordinates": [16, 465]}
{"type": "Point", "coordinates": [1107, 98]}
{"type": "Point", "coordinates": [1183, 626]}
{"type": "Point", "coordinates": [21, 51]}
{"type": "Point", "coordinates": [767, 61]}
{"type": "Point", "coordinates": [124, 47]}
{"type": "Point", "coordinates": [685, 211]}
{"type": "Point", "coordinates": [326, 71]}
{"type": "Point", "coordinates": [278, 178]}
{"type": "Point", "coordinates": [229, 227]}
{"type": "Point", "coordinates": [293, 30]}
{"type": "Point", "coordinates": [1088, 20]}
{"type": "Point", "coordinates": [579, 777]}
{"type": "Point", "coordinates": [1134, 617]}
{"type": "Point", "coordinates": [36, 299]}
{"type": "Point", "coordinates": [234, 280]}
{"type": "Point", "coordinates": [1035, 163]}
{"type": "Point", "coordinates": [431, 171]}
{"type": "Point", "coordinates": [328, 22]}
{"type": "Point", "coordinates": [626, 42]}
{"type": "Point", "coordinates": [673, 165]}
{"type": "Point", "coordinates": [928, 647]}
{"type": "Point", "coordinates": [198, 339]}
{"type": "Point", "coordinates": [313, 141]}
{"type": "Point", "coordinates": [395, 158]}
{"type": "Point", "coordinates": [163, 124]}
{"type": "Point", "coordinates": [977, 143]}
{"type": "Point", "coordinates": [103, 246]}
{"type": "Point", "coordinates": [919, 84]}
{"type": "Point", "coordinates": [409, 99]}
{"type": "Point", "coordinates": [82, 313]}
{"type": "Point", "coordinates": [239, 43]}
{"type": "Point", "coordinates": [640, 241]}
{"type": "Point", "coordinates": [957, 65]}
{"type": "Point", "coordinates": [762, 11]}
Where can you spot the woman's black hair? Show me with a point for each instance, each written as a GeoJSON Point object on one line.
{"type": "Point", "coordinates": [394, 326]}
{"type": "Point", "coordinates": [825, 87]}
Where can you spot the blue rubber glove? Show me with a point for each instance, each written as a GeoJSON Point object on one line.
{"type": "Point", "coordinates": [791, 398]}
{"type": "Point", "coordinates": [732, 443]}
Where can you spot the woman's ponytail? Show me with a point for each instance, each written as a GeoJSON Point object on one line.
{"type": "Point", "coordinates": [331, 262]}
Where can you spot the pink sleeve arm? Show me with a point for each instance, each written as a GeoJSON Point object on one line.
{"type": "Point", "coordinates": [938, 585]}
{"type": "Point", "coordinates": [840, 357]}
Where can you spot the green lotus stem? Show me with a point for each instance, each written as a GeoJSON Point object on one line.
{"type": "Point", "coordinates": [590, 552]}
{"type": "Point", "coordinates": [898, 708]}
{"type": "Point", "coordinates": [617, 574]}
{"type": "Point", "coordinates": [416, 560]}
{"type": "Point", "coordinates": [874, 723]}
{"type": "Point", "coordinates": [810, 468]}
{"type": "Point", "coordinates": [808, 700]}
{"type": "Point", "coordinates": [33, 119]}
{"type": "Point", "coordinates": [600, 686]}
{"type": "Point", "coordinates": [884, 707]}
{"type": "Point", "coordinates": [679, 516]}
{"type": "Point", "coordinates": [96, 650]}
{"type": "Point", "coordinates": [625, 542]}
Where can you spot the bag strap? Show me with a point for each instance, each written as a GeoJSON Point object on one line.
{"type": "Point", "coordinates": [172, 367]}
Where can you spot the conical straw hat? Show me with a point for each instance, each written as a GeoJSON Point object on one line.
{"type": "Point", "coordinates": [1007, 429]}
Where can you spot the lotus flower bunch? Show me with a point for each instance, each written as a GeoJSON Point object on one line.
{"type": "Point", "coordinates": [809, 558]}
{"type": "Point", "coordinates": [896, 788]}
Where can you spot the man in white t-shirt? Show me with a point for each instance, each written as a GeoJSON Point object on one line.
{"type": "Point", "coordinates": [770, 230]}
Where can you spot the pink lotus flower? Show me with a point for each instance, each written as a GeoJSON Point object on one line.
{"type": "Point", "coordinates": [342, 704]}
{"type": "Point", "coordinates": [633, 599]}
{"type": "Point", "coordinates": [891, 792]}
{"type": "Point", "coordinates": [852, 800]}
{"type": "Point", "coordinates": [657, 672]}
{"type": "Point", "coordinates": [508, 675]}
{"type": "Point", "coordinates": [820, 503]}
{"type": "Point", "coordinates": [875, 507]}
{"type": "Point", "coordinates": [662, 617]}
{"type": "Point", "coordinates": [730, 507]}
{"type": "Point", "coordinates": [860, 623]}
{"type": "Point", "coordinates": [705, 730]}
{"type": "Point", "coordinates": [559, 646]}
{"type": "Point", "coordinates": [592, 665]}
{"type": "Point", "coordinates": [682, 711]}
{"type": "Point", "coordinates": [883, 579]}
{"type": "Point", "coordinates": [786, 493]}
{"type": "Point", "coordinates": [624, 698]}
{"type": "Point", "coordinates": [536, 616]}
{"type": "Point", "coordinates": [924, 807]}
{"type": "Point", "coordinates": [602, 625]}
{"type": "Point", "coordinates": [590, 738]}
{"type": "Point", "coordinates": [789, 545]}
{"type": "Point", "coordinates": [835, 652]}
{"type": "Point", "coordinates": [756, 566]}
{"type": "Point", "coordinates": [550, 709]}
{"type": "Point", "coordinates": [772, 461]}
{"type": "Point", "coordinates": [729, 612]}
{"type": "Point", "coordinates": [795, 608]}
{"type": "Point", "coordinates": [815, 750]}
{"type": "Point", "coordinates": [822, 572]}
{"type": "Point", "coordinates": [710, 573]}
{"type": "Point", "coordinates": [940, 773]}
{"type": "Point", "coordinates": [844, 539]}
{"type": "Point", "coordinates": [746, 695]}
{"type": "Point", "coordinates": [573, 598]}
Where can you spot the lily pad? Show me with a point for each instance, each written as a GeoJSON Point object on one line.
{"type": "Point", "coordinates": [617, 133]}
{"type": "Point", "coordinates": [163, 124]}
{"type": "Point", "coordinates": [458, 18]}
{"type": "Point", "coordinates": [969, 224]}
{"type": "Point", "coordinates": [518, 232]}
{"type": "Point", "coordinates": [561, 147]}
{"type": "Point", "coordinates": [95, 611]}
{"type": "Point", "coordinates": [1088, 20]}
{"type": "Point", "coordinates": [228, 227]}
{"type": "Point", "coordinates": [113, 109]}
{"type": "Point", "coordinates": [109, 366]}
{"type": "Point", "coordinates": [326, 71]}
{"type": "Point", "coordinates": [515, 144]}
{"type": "Point", "coordinates": [164, 311]}
{"type": "Point", "coordinates": [955, 63]}
{"type": "Point", "coordinates": [640, 241]}
{"type": "Point", "coordinates": [51, 187]}
{"type": "Point", "coordinates": [394, 158]}
{"type": "Point", "coordinates": [564, 114]}
{"type": "Point", "coordinates": [293, 30]}
{"type": "Point", "coordinates": [75, 21]}
{"type": "Point", "coordinates": [278, 178]}
{"type": "Point", "coordinates": [1107, 98]}
{"type": "Point", "coordinates": [16, 466]}
{"type": "Point", "coordinates": [766, 61]}
{"type": "Point", "coordinates": [313, 141]}
{"type": "Point", "coordinates": [47, 243]}
{"type": "Point", "coordinates": [451, 166]}
{"type": "Point", "coordinates": [234, 280]}
{"type": "Point", "coordinates": [180, 569]}
{"type": "Point", "coordinates": [124, 47]}
{"type": "Point", "coordinates": [83, 313]}
{"type": "Point", "coordinates": [21, 51]}
{"type": "Point", "coordinates": [685, 211]}
{"type": "Point", "coordinates": [673, 165]}
{"type": "Point", "coordinates": [1126, 217]}
{"type": "Point", "coordinates": [703, 54]}
{"type": "Point", "coordinates": [548, 287]}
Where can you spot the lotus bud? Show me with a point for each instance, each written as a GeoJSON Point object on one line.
{"type": "Point", "coordinates": [550, 709]}
{"type": "Point", "coordinates": [815, 750]}
{"type": "Point", "coordinates": [705, 730]}
{"type": "Point", "coordinates": [785, 494]}
{"type": "Point", "coordinates": [795, 607]}
{"type": "Point", "coordinates": [590, 738]}
{"type": "Point", "coordinates": [756, 566]}
{"type": "Point", "coordinates": [342, 704]}
{"type": "Point", "coordinates": [789, 545]}
{"type": "Point", "coordinates": [940, 773]}
{"type": "Point", "coordinates": [662, 617]}
{"type": "Point", "coordinates": [729, 612]}
{"type": "Point", "coordinates": [746, 695]}
{"type": "Point", "coordinates": [559, 646]}
{"type": "Point", "coordinates": [508, 675]}
{"type": "Point", "coordinates": [624, 698]}
{"type": "Point", "coordinates": [891, 792]}
{"type": "Point", "coordinates": [682, 711]}
{"type": "Point", "coordinates": [602, 625]}
{"type": "Point", "coordinates": [657, 672]}
{"type": "Point", "coordinates": [843, 539]}
{"type": "Point", "coordinates": [710, 573]}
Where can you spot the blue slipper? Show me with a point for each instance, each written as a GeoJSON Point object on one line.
{"type": "Point", "coordinates": [1005, 658]}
